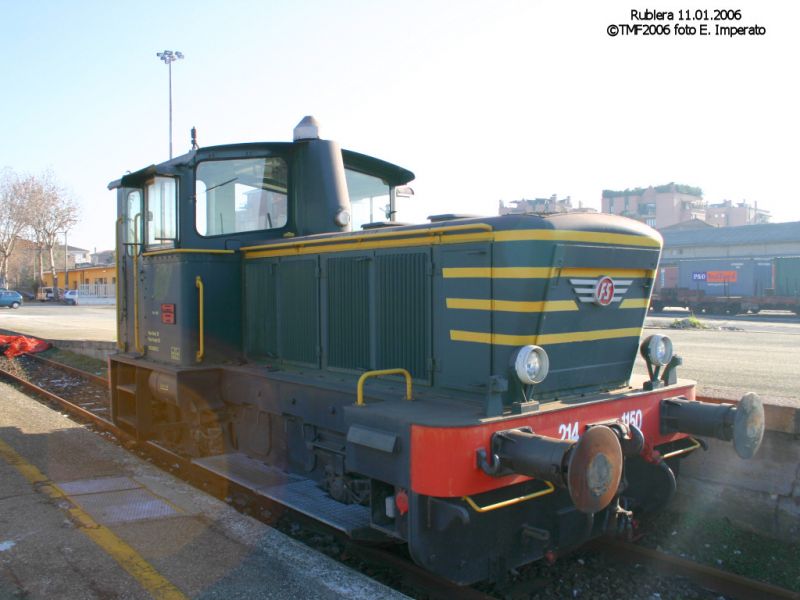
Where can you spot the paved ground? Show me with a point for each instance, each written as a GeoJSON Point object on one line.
{"type": "Point", "coordinates": [756, 353]}
{"type": "Point", "coordinates": [61, 322]}
{"type": "Point", "coordinates": [80, 518]}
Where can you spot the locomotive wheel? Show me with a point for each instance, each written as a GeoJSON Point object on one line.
{"type": "Point", "coordinates": [595, 469]}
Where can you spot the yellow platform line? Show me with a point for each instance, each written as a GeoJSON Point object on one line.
{"type": "Point", "coordinates": [130, 560]}
{"type": "Point", "coordinates": [545, 339]}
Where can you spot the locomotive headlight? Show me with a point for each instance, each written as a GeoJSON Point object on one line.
{"type": "Point", "coordinates": [657, 350]}
{"type": "Point", "coordinates": [531, 364]}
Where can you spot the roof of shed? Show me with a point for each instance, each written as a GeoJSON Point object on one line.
{"type": "Point", "coordinates": [765, 233]}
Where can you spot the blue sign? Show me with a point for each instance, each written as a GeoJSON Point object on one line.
{"type": "Point", "coordinates": [699, 276]}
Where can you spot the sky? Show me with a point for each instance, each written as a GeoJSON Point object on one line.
{"type": "Point", "coordinates": [483, 101]}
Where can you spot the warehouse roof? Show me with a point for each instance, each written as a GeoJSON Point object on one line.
{"type": "Point", "coordinates": [766, 233]}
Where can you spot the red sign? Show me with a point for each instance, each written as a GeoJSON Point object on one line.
{"type": "Point", "coordinates": [604, 291]}
{"type": "Point", "coordinates": [168, 314]}
{"type": "Point", "coordinates": [721, 277]}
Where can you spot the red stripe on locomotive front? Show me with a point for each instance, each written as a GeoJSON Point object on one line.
{"type": "Point", "coordinates": [443, 459]}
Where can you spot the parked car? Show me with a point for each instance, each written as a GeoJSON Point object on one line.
{"type": "Point", "coordinates": [45, 294]}
{"type": "Point", "coordinates": [10, 298]}
{"type": "Point", "coordinates": [70, 297]}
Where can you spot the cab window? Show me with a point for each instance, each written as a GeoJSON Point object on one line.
{"type": "Point", "coordinates": [369, 198]}
{"type": "Point", "coordinates": [133, 221]}
{"type": "Point", "coordinates": [162, 201]}
{"type": "Point", "coordinates": [234, 196]}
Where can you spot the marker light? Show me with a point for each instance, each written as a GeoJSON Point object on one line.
{"type": "Point", "coordinates": [306, 129]}
{"type": "Point", "coordinates": [342, 218]}
{"type": "Point", "coordinates": [657, 350]}
{"type": "Point", "coordinates": [531, 364]}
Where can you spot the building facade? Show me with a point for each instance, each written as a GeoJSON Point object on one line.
{"type": "Point", "coordinates": [659, 206]}
{"type": "Point", "coordinates": [95, 281]}
{"type": "Point", "coordinates": [729, 214]}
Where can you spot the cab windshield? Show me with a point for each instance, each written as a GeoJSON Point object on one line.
{"type": "Point", "coordinates": [234, 196]}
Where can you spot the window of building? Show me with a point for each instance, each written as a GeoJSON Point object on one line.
{"type": "Point", "coordinates": [234, 196]}
{"type": "Point", "coordinates": [162, 212]}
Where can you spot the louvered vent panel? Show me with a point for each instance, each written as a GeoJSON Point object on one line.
{"type": "Point", "coordinates": [298, 306]}
{"type": "Point", "coordinates": [348, 312]}
{"type": "Point", "coordinates": [403, 312]}
{"type": "Point", "coordinates": [260, 308]}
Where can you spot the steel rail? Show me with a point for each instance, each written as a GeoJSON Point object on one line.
{"type": "Point", "coordinates": [261, 508]}
{"type": "Point", "coordinates": [97, 379]}
{"type": "Point", "coordinates": [724, 582]}
{"type": "Point", "coordinates": [717, 580]}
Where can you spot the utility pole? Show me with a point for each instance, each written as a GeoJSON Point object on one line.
{"type": "Point", "coordinates": [169, 57]}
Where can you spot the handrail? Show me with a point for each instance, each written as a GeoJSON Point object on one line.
{"type": "Point", "coordinates": [117, 253]}
{"type": "Point", "coordinates": [136, 250]}
{"type": "Point", "coordinates": [482, 509]}
{"type": "Point", "coordinates": [693, 446]}
{"type": "Point", "coordinates": [368, 374]}
{"type": "Point", "coordinates": [188, 251]}
{"type": "Point", "coordinates": [371, 236]}
{"type": "Point", "coordinates": [198, 282]}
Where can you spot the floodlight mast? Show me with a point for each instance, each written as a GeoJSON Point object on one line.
{"type": "Point", "coordinates": [169, 57]}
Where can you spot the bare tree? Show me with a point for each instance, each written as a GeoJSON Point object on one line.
{"type": "Point", "coordinates": [14, 217]}
{"type": "Point", "coordinates": [53, 212]}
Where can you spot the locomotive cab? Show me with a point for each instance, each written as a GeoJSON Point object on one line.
{"type": "Point", "coordinates": [463, 386]}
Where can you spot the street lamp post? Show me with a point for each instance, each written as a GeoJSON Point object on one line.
{"type": "Point", "coordinates": [169, 57]}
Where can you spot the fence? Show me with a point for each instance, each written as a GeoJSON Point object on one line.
{"type": "Point", "coordinates": [97, 290]}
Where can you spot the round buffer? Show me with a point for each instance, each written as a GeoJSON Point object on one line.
{"type": "Point", "coordinates": [748, 425]}
{"type": "Point", "coordinates": [595, 469]}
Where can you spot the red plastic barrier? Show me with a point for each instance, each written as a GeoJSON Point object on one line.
{"type": "Point", "coordinates": [14, 345]}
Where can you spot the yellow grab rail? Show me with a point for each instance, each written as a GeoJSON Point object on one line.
{"type": "Point", "coordinates": [694, 446]}
{"type": "Point", "coordinates": [198, 282]}
{"type": "Point", "coordinates": [117, 252]}
{"type": "Point", "coordinates": [136, 344]}
{"type": "Point", "coordinates": [368, 374]}
{"type": "Point", "coordinates": [482, 509]}
{"type": "Point", "coordinates": [187, 251]}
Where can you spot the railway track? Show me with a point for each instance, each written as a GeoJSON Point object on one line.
{"type": "Point", "coordinates": [85, 396]}
{"type": "Point", "coordinates": [63, 386]}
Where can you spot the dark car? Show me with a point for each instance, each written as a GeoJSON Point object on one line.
{"type": "Point", "coordinates": [10, 298]}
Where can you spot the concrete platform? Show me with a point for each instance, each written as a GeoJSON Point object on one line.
{"type": "Point", "coordinates": [82, 518]}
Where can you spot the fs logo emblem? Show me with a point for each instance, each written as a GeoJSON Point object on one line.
{"type": "Point", "coordinates": [602, 291]}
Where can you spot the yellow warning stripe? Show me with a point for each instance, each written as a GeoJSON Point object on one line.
{"type": "Point", "coordinates": [540, 272]}
{"type": "Point", "coordinates": [561, 235]}
{"type": "Point", "coordinates": [345, 245]}
{"type": "Point", "coordinates": [130, 560]}
{"type": "Point", "coordinates": [512, 305]}
{"type": "Point", "coordinates": [529, 307]}
{"type": "Point", "coordinates": [440, 235]}
{"type": "Point", "coordinates": [546, 339]}
{"type": "Point", "coordinates": [635, 303]}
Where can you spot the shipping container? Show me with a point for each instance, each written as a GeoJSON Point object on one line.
{"type": "Point", "coordinates": [787, 276]}
{"type": "Point", "coordinates": [725, 277]}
